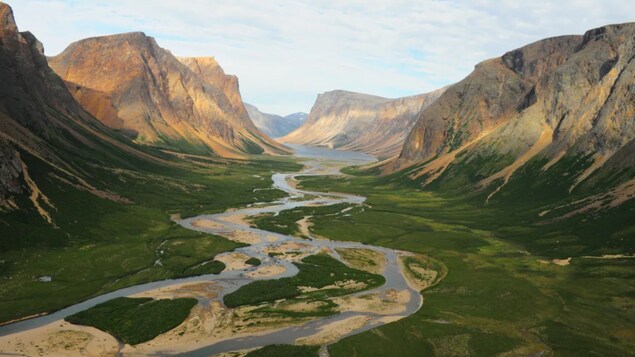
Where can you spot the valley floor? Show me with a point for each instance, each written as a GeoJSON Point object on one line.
{"type": "Point", "coordinates": [513, 286]}
{"type": "Point", "coordinates": [340, 299]}
{"type": "Point", "coordinates": [98, 246]}
{"type": "Point", "coordinates": [511, 289]}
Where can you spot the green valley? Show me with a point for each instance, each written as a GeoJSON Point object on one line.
{"type": "Point", "coordinates": [107, 245]}
{"type": "Point", "coordinates": [510, 287]}
{"type": "Point", "coordinates": [480, 202]}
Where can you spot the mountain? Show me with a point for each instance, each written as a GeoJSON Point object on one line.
{"type": "Point", "coordinates": [299, 116]}
{"type": "Point", "coordinates": [46, 138]}
{"type": "Point", "coordinates": [554, 117]}
{"type": "Point", "coordinates": [133, 85]}
{"type": "Point", "coordinates": [275, 125]}
{"type": "Point", "coordinates": [223, 84]}
{"type": "Point", "coordinates": [360, 122]}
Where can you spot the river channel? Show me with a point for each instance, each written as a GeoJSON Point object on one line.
{"type": "Point", "coordinates": [317, 161]}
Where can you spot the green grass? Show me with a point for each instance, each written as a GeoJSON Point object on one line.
{"type": "Point", "coordinates": [285, 351]}
{"type": "Point", "coordinates": [316, 271]}
{"type": "Point", "coordinates": [497, 297]}
{"type": "Point", "coordinates": [253, 261]}
{"type": "Point", "coordinates": [285, 223]}
{"type": "Point", "coordinates": [211, 267]}
{"type": "Point", "coordinates": [251, 147]}
{"type": "Point", "coordinates": [135, 320]}
{"type": "Point", "coordinates": [100, 245]}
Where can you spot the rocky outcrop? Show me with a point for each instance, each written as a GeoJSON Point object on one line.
{"type": "Point", "coordinates": [492, 94]}
{"type": "Point", "coordinates": [360, 122]}
{"type": "Point", "coordinates": [26, 77]}
{"type": "Point", "coordinates": [275, 125]}
{"type": "Point", "coordinates": [563, 99]}
{"type": "Point", "coordinates": [10, 172]}
{"type": "Point", "coordinates": [27, 88]}
{"type": "Point", "coordinates": [130, 83]}
{"type": "Point", "coordinates": [211, 72]}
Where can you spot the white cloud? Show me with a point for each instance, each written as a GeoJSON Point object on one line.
{"type": "Point", "coordinates": [285, 52]}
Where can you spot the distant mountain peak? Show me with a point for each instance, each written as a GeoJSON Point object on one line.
{"type": "Point", "coordinates": [360, 122]}
{"type": "Point", "coordinates": [297, 116]}
{"type": "Point", "coordinates": [275, 125]}
{"type": "Point", "coordinates": [7, 21]}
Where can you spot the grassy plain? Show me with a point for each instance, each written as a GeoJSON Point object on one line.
{"type": "Point", "coordinates": [503, 293]}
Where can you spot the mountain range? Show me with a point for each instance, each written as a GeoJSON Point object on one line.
{"type": "Point", "coordinates": [360, 122]}
{"type": "Point", "coordinates": [131, 84]}
{"type": "Point", "coordinates": [113, 100]}
{"type": "Point", "coordinates": [559, 110]}
{"type": "Point", "coordinates": [275, 125]}
{"type": "Point", "coordinates": [505, 199]}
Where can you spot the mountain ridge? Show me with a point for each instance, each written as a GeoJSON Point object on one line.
{"type": "Point", "coordinates": [132, 84]}
{"type": "Point", "coordinates": [558, 107]}
{"type": "Point", "coordinates": [43, 126]}
{"type": "Point", "coordinates": [275, 125]}
{"type": "Point", "coordinates": [347, 120]}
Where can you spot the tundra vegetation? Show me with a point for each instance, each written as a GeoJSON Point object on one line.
{"type": "Point", "coordinates": [320, 277]}
{"type": "Point", "coordinates": [503, 291]}
{"type": "Point", "coordinates": [135, 320]}
{"type": "Point", "coordinates": [101, 246]}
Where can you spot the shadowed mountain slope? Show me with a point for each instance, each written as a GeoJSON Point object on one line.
{"type": "Point", "coordinates": [46, 138]}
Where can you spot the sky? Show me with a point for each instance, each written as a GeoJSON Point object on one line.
{"type": "Point", "coordinates": [286, 52]}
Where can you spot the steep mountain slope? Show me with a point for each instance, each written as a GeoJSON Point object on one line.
{"type": "Point", "coordinates": [554, 117]}
{"type": "Point", "coordinates": [131, 84]}
{"type": "Point", "coordinates": [223, 84]}
{"type": "Point", "coordinates": [275, 125]}
{"type": "Point", "coordinates": [42, 126]}
{"type": "Point", "coordinates": [360, 122]}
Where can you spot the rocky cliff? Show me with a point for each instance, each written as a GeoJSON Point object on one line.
{"type": "Point", "coordinates": [224, 84]}
{"type": "Point", "coordinates": [131, 84]}
{"type": "Point", "coordinates": [360, 122]}
{"type": "Point", "coordinates": [275, 125]}
{"type": "Point", "coordinates": [561, 110]}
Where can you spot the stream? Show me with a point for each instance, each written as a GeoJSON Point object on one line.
{"type": "Point", "coordinates": [319, 161]}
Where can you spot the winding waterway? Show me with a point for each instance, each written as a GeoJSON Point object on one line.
{"type": "Point", "coordinates": [319, 161]}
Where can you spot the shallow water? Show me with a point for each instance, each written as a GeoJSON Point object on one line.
{"type": "Point", "coordinates": [312, 152]}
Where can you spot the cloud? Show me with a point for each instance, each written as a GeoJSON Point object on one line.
{"type": "Point", "coordinates": [285, 52]}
